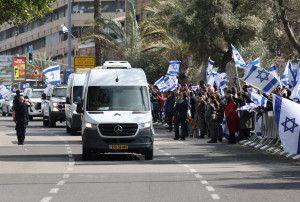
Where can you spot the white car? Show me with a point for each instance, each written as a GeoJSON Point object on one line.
{"type": "Point", "coordinates": [7, 105]}
{"type": "Point", "coordinates": [1, 101]}
{"type": "Point", "coordinates": [34, 95]}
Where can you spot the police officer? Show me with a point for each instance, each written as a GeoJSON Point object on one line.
{"type": "Point", "coordinates": [181, 111]}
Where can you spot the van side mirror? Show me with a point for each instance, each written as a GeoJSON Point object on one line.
{"type": "Point", "coordinates": [68, 100]}
{"type": "Point", "coordinates": [79, 108]}
{"type": "Point", "coordinates": [44, 96]}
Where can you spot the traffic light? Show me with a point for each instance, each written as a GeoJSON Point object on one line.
{"type": "Point", "coordinates": [30, 58]}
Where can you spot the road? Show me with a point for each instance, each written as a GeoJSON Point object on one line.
{"type": "Point", "coordinates": [49, 168]}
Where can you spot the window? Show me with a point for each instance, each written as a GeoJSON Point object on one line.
{"type": "Point", "coordinates": [36, 94]}
{"type": "Point", "coordinates": [77, 93]}
{"type": "Point", "coordinates": [117, 98]}
{"type": "Point", "coordinates": [59, 92]}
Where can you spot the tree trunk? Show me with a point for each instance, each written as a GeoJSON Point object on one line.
{"type": "Point", "coordinates": [98, 49]}
{"type": "Point", "coordinates": [227, 57]}
{"type": "Point", "coordinates": [287, 27]}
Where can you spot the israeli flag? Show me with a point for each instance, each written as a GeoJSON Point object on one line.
{"type": "Point", "coordinates": [170, 83]}
{"type": "Point", "coordinates": [296, 92]}
{"type": "Point", "coordinates": [220, 80]}
{"type": "Point", "coordinates": [64, 28]}
{"type": "Point", "coordinates": [289, 77]}
{"type": "Point", "coordinates": [258, 99]}
{"type": "Point", "coordinates": [160, 83]}
{"type": "Point", "coordinates": [173, 68]}
{"type": "Point", "coordinates": [4, 91]}
{"type": "Point", "coordinates": [52, 75]}
{"type": "Point", "coordinates": [194, 88]}
{"type": "Point", "coordinates": [298, 72]}
{"type": "Point", "coordinates": [248, 107]}
{"type": "Point", "coordinates": [273, 71]}
{"type": "Point", "coordinates": [238, 60]}
{"type": "Point", "coordinates": [226, 132]}
{"type": "Point", "coordinates": [260, 79]}
{"type": "Point", "coordinates": [256, 62]}
{"type": "Point", "coordinates": [287, 118]}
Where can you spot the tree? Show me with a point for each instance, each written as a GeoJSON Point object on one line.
{"type": "Point", "coordinates": [289, 12]}
{"type": "Point", "coordinates": [23, 11]}
{"type": "Point", "coordinates": [98, 49]}
{"type": "Point", "coordinates": [158, 36]}
{"type": "Point", "coordinates": [41, 60]}
{"type": "Point", "coordinates": [210, 27]}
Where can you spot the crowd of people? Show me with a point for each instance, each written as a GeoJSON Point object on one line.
{"type": "Point", "coordinates": [200, 111]}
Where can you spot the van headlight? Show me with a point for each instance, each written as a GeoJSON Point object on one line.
{"type": "Point", "coordinates": [55, 105]}
{"type": "Point", "coordinates": [91, 126]}
{"type": "Point", "coordinates": [146, 125]}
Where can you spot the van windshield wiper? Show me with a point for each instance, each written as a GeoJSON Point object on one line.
{"type": "Point", "coordinates": [141, 112]}
{"type": "Point", "coordinates": [96, 112]}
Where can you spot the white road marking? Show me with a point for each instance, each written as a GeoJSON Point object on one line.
{"type": "Point", "coordinates": [162, 151]}
{"type": "Point", "coordinates": [46, 199]}
{"type": "Point", "coordinates": [215, 196]}
{"type": "Point", "coordinates": [209, 188]}
{"type": "Point", "coordinates": [68, 148]}
{"type": "Point", "coordinates": [186, 166]}
{"type": "Point", "coordinates": [157, 147]}
{"type": "Point", "coordinates": [204, 182]}
{"type": "Point", "coordinates": [168, 154]}
{"type": "Point", "coordinates": [172, 157]}
{"type": "Point", "coordinates": [193, 171]}
{"type": "Point", "coordinates": [54, 190]}
{"type": "Point", "coordinates": [70, 155]}
{"type": "Point", "coordinates": [70, 169]}
{"type": "Point", "coordinates": [71, 163]}
{"type": "Point", "coordinates": [198, 176]}
{"type": "Point", "coordinates": [71, 159]}
{"type": "Point", "coordinates": [70, 152]}
{"type": "Point", "coordinates": [179, 162]}
{"type": "Point", "coordinates": [66, 176]}
{"type": "Point", "coordinates": [67, 145]}
{"type": "Point", "coordinates": [60, 183]}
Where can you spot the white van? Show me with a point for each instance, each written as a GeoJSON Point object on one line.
{"type": "Point", "coordinates": [74, 94]}
{"type": "Point", "coordinates": [116, 114]}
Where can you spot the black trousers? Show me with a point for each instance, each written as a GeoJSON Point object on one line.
{"type": "Point", "coordinates": [170, 118]}
{"type": "Point", "coordinates": [21, 131]}
{"type": "Point", "coordinates": [183, 124]}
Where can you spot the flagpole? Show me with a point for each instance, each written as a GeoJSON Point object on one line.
{"type": "Point", "coordinates": [237, 77]}
{"type": "Point", "coordinates": [69, 34]}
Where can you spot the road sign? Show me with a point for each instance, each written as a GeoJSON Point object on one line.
{"type": "Point", "coordinates": [36, 72]}
{"type": "Point", "coordinates": [19, 69]}
{"type": "Point", "coordinates": [84, 62]}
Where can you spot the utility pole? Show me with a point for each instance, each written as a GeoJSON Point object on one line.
{"type": "Point", "coordinates": [98, 49]}
{"type": "Point", "coordinates": [69, 34]}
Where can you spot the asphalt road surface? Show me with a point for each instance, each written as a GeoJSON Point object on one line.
{"type": "Point", "coordinates": [49, 168]}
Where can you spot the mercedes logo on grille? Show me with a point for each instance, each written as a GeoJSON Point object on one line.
{"type": "Point", "coordinates": [118, 129]}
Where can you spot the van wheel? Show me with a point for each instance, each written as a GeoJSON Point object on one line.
{"type": "Point", "coordinates": [3, 113]}
{"type": "Point", "coordinates": [30, 118]}
{"type": "Point", "coordinates": [45, 121]}
{"type": "Point", "coordinates": [86, 155]}
{"type": "Point", "coordinates": [52, 123]}
{"type": "Point", "coordinates": [149, 155]}
{"type": "Point", "coordinates": [68, 129]}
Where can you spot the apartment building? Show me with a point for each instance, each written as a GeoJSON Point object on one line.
{"type": "Point", "coordinates": [46, 36]}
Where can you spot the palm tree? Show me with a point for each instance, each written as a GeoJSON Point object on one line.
{"type": "Point", "coordinates": [158, 35]}
{"type": "Point", "coordinates": [98, 49]}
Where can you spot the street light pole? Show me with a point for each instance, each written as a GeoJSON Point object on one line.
{"type": "Point", "coordinates": [69, 34]}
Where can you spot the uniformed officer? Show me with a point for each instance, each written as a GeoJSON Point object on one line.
{"type": "Point", "coordinates": [181, 111]}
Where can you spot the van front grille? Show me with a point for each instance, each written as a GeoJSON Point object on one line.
{"type": "Point", "coordinates": [118, 130]}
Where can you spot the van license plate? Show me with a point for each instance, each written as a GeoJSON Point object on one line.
{"type": "Point", "coordinates": [112, 147]}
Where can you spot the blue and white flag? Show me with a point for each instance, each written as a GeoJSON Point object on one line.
{"type": "Point", "coordinates": [52, 75]}
{"type": "Point", "coordinates": [260, 79]}
{"type": "Point", "coordinates": [173, 68]}
{"type": "Point", "coordinates": [298, 72]}
{"type": "Point", "coordinates": [4, 91]}
{"type": "Point", "coordinates": [238, 60]}
{"type": "Point", "coordinates": [289, 77]}
{"type": "Point", "coordinates": [226, 132]}
{"type": "Point", "coordinates": [209, 71]}
{"type": "Point", "coordinates": [64, 28]}
{"type": "Point", "coordinates": [220, 79]}
{"type": "Point", "coordinates": [160, 83]}
{"type": "Point", "coordinates": [296, 92]}
{"type": "Point", "coordinates": [258, 99]}
{"type": "Point", "coordinates": [273, 71]}
{"type": "Point", "coordinates": [170, 83]}
{"type": "Point", "coordinates": [287, 118]}
{"type": "Point", "coordinates": [248, 107]}
{"type": "Point", "coordinates": [194, 88]}
{"type": "Point", "coordinates": [256, 62]}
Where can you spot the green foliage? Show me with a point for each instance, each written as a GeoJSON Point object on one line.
{"type": "Point", "coordinates": [23, 11]}
{"type": "Point", "coordinates": [209, 27]}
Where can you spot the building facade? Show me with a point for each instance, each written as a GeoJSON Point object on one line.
{"type": "Point", "coordinates": [46, 35]}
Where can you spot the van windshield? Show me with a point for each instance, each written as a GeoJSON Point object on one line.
{"type": "Point", "coordinates": [117, 98]}
{"type": "Point", "coordinates": [77, 93]}
{"type": "Point", "coordinates": [59, 92]}
{"type": "Point", "coordinates": [36, 94]}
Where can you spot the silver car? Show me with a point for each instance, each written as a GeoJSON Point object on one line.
{"type": "Point", "coordinates": [7, 105]}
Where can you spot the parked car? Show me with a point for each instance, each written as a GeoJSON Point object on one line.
{"type": "Point", "coordinates": [7, 105]}
{"type": "Point", "coordinates": [34, 95]}
{"type": "Point", "coordinates": [53, 104]}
